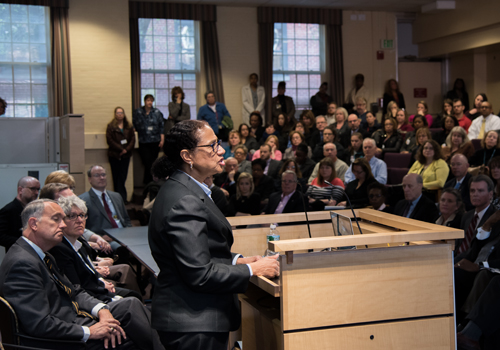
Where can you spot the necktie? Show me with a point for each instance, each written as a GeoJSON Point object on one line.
{"type": "Point", "coordinates": [483, 127]}
{"type": "Point", "coordinates": [49, 261]}
{"type": "Point", "coordinates": [407, 209]}
{"type": "Point", "coordinates": [457, 185]}
{"type": "Point", "coordinates": [469, 235]}
{"type": "Point", "coordinates": [321, 135]}
{"type": "Point", "coordinates": [108, 211]}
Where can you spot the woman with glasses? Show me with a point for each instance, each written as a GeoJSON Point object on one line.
{"type": "Point", "coordinates": [73, 255]}
{"type": "Point", "coordinates": [240, 154]}
{"type": "Point", "coordinates": [430, 165]}
{"type": "Point", "coordinates": [195, 304]}
{"type": "Point", "coordinates": [245, 202]}
{"type": "Point", "coordinates": [120, 135]}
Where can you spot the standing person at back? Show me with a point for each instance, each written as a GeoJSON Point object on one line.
{"type": "Point", "coordinates": [282, 104]}
{"type": "Point", "coordinates": [120, 136]}
{"type": "Point", "coordinates": [149, 124]}
{"type": "Point", "coordinates": [213, 113]}
{"type": "Point", "coordinates": [254, 98]}
{"type": "Point", "coordinates": [178, 110]}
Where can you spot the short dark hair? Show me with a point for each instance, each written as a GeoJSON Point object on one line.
{"type": "Point", "coordinates": [260, 162]}
{"type": "Point", "coordinates": [208, 93]}
{"type": "Point", "coordinates": [378, 186]}
{"type": "Point", "coordinates": [457, 100]}
{"type": "Point", "coordinates": [254, 75]}
{"type": "Point", "coordinates": [281, 85]}
{"type": "Point", "coordinates": [424, 120]}
{"type": "Point", "coordinates": [258, 115]}
{"type": "Point", "coordinates": [485, 178]}
{"type": "Point", "coordinates": [359, 76]}
{"type": "Point", "coordinates": [303, 147]}
{"type": "Point", "coordinates": [149, 96]}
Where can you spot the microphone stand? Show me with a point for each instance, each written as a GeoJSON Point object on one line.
{"type": "Point", "coordinates": [350, 205]}
{"type": "Point", "coordinates": [305, 209]}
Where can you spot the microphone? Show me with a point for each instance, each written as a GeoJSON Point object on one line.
{"type": "Point", "coordinates": [305, 209]}
{"type": "Point", "coordinates": [350, 205]}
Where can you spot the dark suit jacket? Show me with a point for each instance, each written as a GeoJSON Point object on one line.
{"type": "Point", "coordinates": [464, 190]}
{"type": "Point", "coordinates": [265, 187]}
{"type": "Point", "coordinates": [345, 139]}
{"type": "Point", "coordinates": [222, 181]}
{"type": "Point", "coordinates": [274, 168]}
{"type": "Point", "coordinates": [10, 223]}
{"type": "Point", "coordinates": [307, 168]}
{"type": "Point", "coordinates": [475, 244]}
{"type": "Point", "coordinates": [425, 210]}
{"type": "Point", "coordinates": [190, 240]}
{"type": "Point", "coordinates": [294, 205]}
{"type": "Point", "coordinates": [72, 266]}
{"type": "Point", "coordinates": [44, 309]}
{"type": "Point", "coordinates": [98, 219]}
{"type": "Point", "coordinates": [290, 107]}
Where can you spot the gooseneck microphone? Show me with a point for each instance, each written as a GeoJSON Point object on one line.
{"type": "Point", "coordinates": [305, 209]}
{"type": "Point", "coordinates": [350, 205]}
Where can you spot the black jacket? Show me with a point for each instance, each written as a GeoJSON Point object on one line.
{"type": "Point", "coordinates": [294, 205]}
{"type": "Point", "coordinates": [10, 223]}
{"type": "Point", "coordinates": [391, 145]}
{"type": "Point", "coordinates": [425, 210]}
{"type": "Point", "coordinates": [464, 190]}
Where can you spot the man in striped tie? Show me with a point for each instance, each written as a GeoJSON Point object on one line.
{"type": "Point", "coordinates": [49, 306]}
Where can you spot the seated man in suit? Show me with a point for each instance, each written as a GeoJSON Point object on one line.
{"type": "Point", "coordinates": [354, 123]}
{"type": "Point", "coordinates": [106, 209]}
{"type": "Point", "coordinates": [73, 255]}
{"type": "Point", "coordinates": [226, 180]}
{"type": "Point", "coordinates": [272, 166]}
{"type": "Point", "coordinates": [415, 205]}
{"type": "Point", "coordinates": [317, 136]}
{"type": "Point", "coordinates": [49, 306]}
{"type": "Point", "coordinates": [289, 200]}
{"type": "Point", "coordinates": [461, 177]}
{"type": "Point", "coordinates": [329, 136]}
{"type": "Point", "coordinates": [10, 215]}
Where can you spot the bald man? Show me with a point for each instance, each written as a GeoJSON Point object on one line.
{"type": "Point", "coordinates": [416, 205]}
{"type": "Point", "coordinates": [10, 215]}
{"type": "Point", "coordinates": [461, 177]}
{"type": "Point", "coordinates": [485, 122]}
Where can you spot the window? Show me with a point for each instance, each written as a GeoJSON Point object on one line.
{"type": "Point", "coordinates": [169, 57]}
{"type": "Point", "coordinates": [24, 60]}
{"type": "Point", "coordinates": [298, 59]}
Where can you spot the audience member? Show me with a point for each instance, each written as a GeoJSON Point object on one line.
{"type": "Point", "coordinates": [449, 122]}
{"type": "Point", "coordinates": [240, 153]}
{"type": "Point", "coordinates": [61, 177]}
{"type": "Point", "coordinates": [304, 130]}
{"type": "Point", "coordinates": [216, 115]}
{"type": "Point", "coordinates": [357, 189]}
{"type": "Point", "coordinates": [457, 142]}
{"type": "Point", "coordinates": [341, 124]}
{"type": "Point", "coordinates": [458, 112]}
{"type": "Point", "coordinates": [234, 140]}
{"type": "Point", "coordinates": [263, 184]}
{"type": "Point", "coordinates": [361, 109]}
{"type": "Point", "coordinates": [461, 178]}
{"type": "Point", "coordinates": [388, 139]}
{"type": "Point", "coordinates": [392, 108]}
{"type": "Point", "coordinates": [459, 92]}
{"type": "Point", "coordinates": [494, 167]}
{"type": "Point", "coordinates": [355, 149]}
{"type": "Point", "coordinates": [106, 209]}
{"type": "Point", "coordinates": [411, 141]}
{"type": "Point", "coordinates": [218, 196]}
{"type": "Point", "coordinates": [178, 110]}
{"type": "Point", "coordinates": [282, 104]}
{"type": "Point", "coordinates": [256, 127]}
{"type": "Point", "coordinates": [319, 102]}
{"type": "Point", "coordinates": [289, 200]}
{"type": "Point", "coordinates": [329, 136]}
{"type": "Point", "coordinates": [284, 128]}
{"type": "Point", "coordinates": [451, 208]}
{"type": "Point", "coordinates": [320, 193]}
{"type": "Point", "coordinates": [415, 205]}
{"type": "Point", "coordinates": [245, 202]}
{"type": "Point", "coordinates": [377, 194]}
{"type": "Point", "coordinates": [371, 124]}
{"type": "Point", "coordinates": [269, 130]}
{"type": "Point", "coordinates": [431, 166]}
{"type": "Point", "coordinates": [355, 126]}
{"type": "Point", "coordinates": [149, 124]}
{"type": "Point", "coordinates": [392, 93]}
{"type": "Point", "coordinates": [10, 215]}
{"type": "Point", "coordinates": [292, 165]}
{"type": "Point", "coordinates": [120, 136]}
{"type": "Point", "coordinates": [378, 166]}
{"type": "Point", "coordinates": [446, 112]}
{"type": "Point", "coordinates": [296, 138]}
{"type": "Point", "coordinates": [317, 136]}
{"type": "Point", "coordinates": [227, 179]}
{"type": "Point", "coordinates": [330, 151]}
{"type": "Point", "coordinates": [305, 163]}
{"type": "Point", "coordinates": [485, 122]}
{"type": "Point", "coordinates": [309, 120]}
{"type": "Point", "coordinates": [490, 145]}
{"type": "Point", "coordinates": [272, 141]}
{"type": "Point", "coordinates": [403, 124]}
{"type": "Point", "coordinates": [249, 141]}
{"type": "Point", "coordinates": [476, 111]}
{"type": "Point", "coordinates": [49, 306]}
{"type": "Point", "coordinates": [359, 90]}
{"type": "Point", "coordinates": [272, 166]}
{"type": "Point", "coordinates": [73, 256]}
{"type": "Point", "coordinates": [253, 98]}
{"type": "Point", "coordinates": [3, 106]}
{"type": "Point", "coordinates": [330, 113]}
{"type": "Point", "coordinates": [423, 109]}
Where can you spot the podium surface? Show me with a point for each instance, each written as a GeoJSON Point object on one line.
{"type": "Point", "coordinates": [394, 292]}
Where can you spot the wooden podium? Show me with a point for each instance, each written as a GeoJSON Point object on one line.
{"type": "Point", "coordinates": [395, 291]}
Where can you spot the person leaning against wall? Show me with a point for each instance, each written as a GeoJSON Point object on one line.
{"type": "Point", "coordinates": [120, 135]}
{"type": "Point", "coordinates": [178, 110]}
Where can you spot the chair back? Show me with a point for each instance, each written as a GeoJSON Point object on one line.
{"type": "Point", "coordinates": [395, 175]}
{"type": "Point", "coordinates": [8, 323]}
{"type": "Point", "coordinates": [477, 144]}
{"type": "Point", "coordinates": [397, 160]}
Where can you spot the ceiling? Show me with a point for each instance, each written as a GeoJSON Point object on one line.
{"type": "Point", "coordinates": [356, 5]}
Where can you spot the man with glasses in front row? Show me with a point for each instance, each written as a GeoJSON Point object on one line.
{"type": "Point", "coordinates": [106, 209]}
{"type": "Point", "coordinates": [10, 215]}
{"type": "Point", "coordinates": [289, 200]}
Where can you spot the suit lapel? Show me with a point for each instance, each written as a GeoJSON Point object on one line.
{"type": "Point", "coordinates": [32, 252]}
{"type": "Point", "coordinates": [96, 202]}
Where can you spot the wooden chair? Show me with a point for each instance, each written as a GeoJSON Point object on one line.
{"type": "Point", "coordinates": [13, 339]}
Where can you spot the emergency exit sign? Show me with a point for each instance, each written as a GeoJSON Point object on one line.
{"type": "Point", "coordinates": [387, 44]}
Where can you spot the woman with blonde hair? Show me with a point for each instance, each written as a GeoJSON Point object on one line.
{"type": "Point", "coordinates": [61, 177]}
{"type": "Point", "coordinates": [272, 140]}
{"type": "Point", "coordinates": [234, 140]}
{"type": "Point", "coordinates": [120, 135]}
{"type": "Point", "coordinates": [341, 122]}
{"type": "Point", "coordinates": [457, 142]}
{"type": "Point", "coordinates": [422, 109]}
{"type": "Point", "coordinates": [245, 202]}
{"type": "Point", "coordinates": [392, 109]}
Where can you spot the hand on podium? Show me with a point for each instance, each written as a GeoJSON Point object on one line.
{"type": "Point", "coordinates": [268, 267]}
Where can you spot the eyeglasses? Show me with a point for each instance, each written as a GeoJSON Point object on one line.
{"type": "Point", "coordinates": [33, 189]}
{"type": "Point", "coordinates": [288, 182]}
{"type": "Point", "coordinates": [239, 153]}
{"type": "Point", "coordinates": [72, 217]}
{"type": "Point", "coordinates": [215, 146]}
{"type": "Point", "coordinates": [99, 175]}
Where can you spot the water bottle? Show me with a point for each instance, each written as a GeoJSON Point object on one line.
{"type": "Point", "coordinates": [272, 236]}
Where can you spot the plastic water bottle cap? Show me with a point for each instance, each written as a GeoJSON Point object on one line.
{"type": "Point", "coordinates": [273, 227]}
